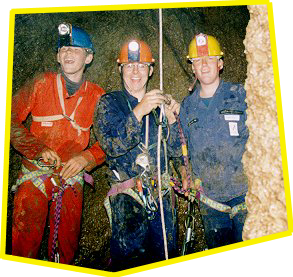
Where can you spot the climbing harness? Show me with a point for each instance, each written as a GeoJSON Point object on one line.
{"type": "Point", "coordinates": [63, 115]}
{"type": "Point", "coordinates": [59, 187]}
{"type": "Point", "coordinates": [37, 174]}
{"type": "Point", "coordinates": [37, 171]}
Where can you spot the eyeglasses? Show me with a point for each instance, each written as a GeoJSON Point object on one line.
{"type": "Point", "coordinates": [139, 66]}
{"type": "Point", "coordinates": [208, 59]}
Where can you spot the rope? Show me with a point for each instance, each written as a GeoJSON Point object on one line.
{"type": "Point", "coordinates": [147, 127]}
{"type": "Point", "coordinates": [184, 152]}
{"type": "Point", "coordinates": [159, 141]}
{"type": "Point", "coordinates": [61, 189]}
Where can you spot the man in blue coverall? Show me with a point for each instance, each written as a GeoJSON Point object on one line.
{"type": "Point", "coordinates": [213, 120]}
{"type": "Point", "coordinates": [126, 123]}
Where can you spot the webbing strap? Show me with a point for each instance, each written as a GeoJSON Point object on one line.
{"type": "Point", "coordinates": [126, 188]}
{"type": "Point", "coordinates": [47, 118]}
{"type": "Point", "coordinates": [222, 207]}
{"type": "Point", "coordinates": [61, 116]}
{"type": "Point", "coordinates": [61, 99]}
{"type": "Point", "coordinates": [199, 194]}
{"type": "Point", "coordinates": [37, 177]}
{"type": "Point", "coordinates": [127, 191]}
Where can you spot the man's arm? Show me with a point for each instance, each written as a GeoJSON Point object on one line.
{"type": "Point", "coordinates": [20, 137]}
{"type": "Point", "coordinates": [116, 133]}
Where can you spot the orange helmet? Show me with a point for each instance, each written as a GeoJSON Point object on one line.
{"type": "Point", "coordinates": [135, 51]}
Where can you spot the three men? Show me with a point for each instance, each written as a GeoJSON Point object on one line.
{"type": "Point", "coordinates": [126, 124]}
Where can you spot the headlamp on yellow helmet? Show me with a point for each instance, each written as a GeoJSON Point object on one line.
{"type": "Point", "coordinates": [204, 45]}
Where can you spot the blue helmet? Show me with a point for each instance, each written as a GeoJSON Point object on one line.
{"type": "Point", "coordinates": [69, 35]}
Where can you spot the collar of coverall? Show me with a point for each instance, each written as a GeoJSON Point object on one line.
{"type": "Point", "coordinates": [71, 86]}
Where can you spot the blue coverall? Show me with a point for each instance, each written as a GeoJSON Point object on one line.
{"type": "Point", "coordinates": [216, 135]}
{"type": "Point", "coordinates": [135, 239]}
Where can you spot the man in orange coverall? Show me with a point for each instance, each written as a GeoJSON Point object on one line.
{"type": "Point", "coordinates": [54, 156]}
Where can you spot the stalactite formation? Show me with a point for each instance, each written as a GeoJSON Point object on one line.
{"type": "Point", "coordinates": [262, 159]}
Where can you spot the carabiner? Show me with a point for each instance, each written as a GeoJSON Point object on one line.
{"type": "Point", "coordinates": [42, 164]}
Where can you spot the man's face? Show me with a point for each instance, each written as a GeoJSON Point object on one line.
{"type": "Point", "coordinates": [135, 77]}
{"type": "Point", "coordinates": [207, 68]}
{"type": "Point", "coordinates": [73, 59]}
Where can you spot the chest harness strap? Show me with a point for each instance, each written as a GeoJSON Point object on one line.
{"type": "Point", "coordinates": [63, 115]}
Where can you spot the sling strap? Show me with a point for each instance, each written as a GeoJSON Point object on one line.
{"type": "Point", "coordinates": [40, 174]}
{"type": "Point", "coordinates": [63, 115]}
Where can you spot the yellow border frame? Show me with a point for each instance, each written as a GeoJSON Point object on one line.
{"type": "Point", "coordinates": [13, 12]}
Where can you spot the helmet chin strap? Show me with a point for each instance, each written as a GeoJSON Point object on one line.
{"type": "Point", "coordinates": [191, 87]}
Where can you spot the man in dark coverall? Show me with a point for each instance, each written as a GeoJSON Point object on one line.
{"type": "Point", "coordinates": [213, 120]}
{"type": "Point", "coordinates": [126, 124]}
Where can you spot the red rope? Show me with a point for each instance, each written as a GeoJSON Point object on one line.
{"type": "Point", "coordinates": [185, 158]}
{"type": "Point", "coordinates": [58, 199]}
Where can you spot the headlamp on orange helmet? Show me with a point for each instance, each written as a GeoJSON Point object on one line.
{"type": "Point", "coordinates": [135, 51]}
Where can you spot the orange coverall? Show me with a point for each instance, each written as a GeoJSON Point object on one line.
{"type": "Point", "coordinates": [40, 98]}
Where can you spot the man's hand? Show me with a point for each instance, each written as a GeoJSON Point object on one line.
{"type": "Point", "coordinates": [73, 167]}
{"type": "Point", "coordinates": [171, 106]}
{"type": "Point", "coordinates": [50, 156]}
{"type": "Point", "coordinates": [195, 184]}
{"type": "Point", "coordinates": [150, 101]}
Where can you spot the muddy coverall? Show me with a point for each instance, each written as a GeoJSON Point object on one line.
{"type": "Point", "coordinates": [136, 240]}
{"type": "Point", "coordinates": [216, 135]}
{"type": "Point", "coordinates": [33, 192]}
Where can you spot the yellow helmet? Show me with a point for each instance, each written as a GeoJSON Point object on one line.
{"type": "Point", "coordinates": [204, 45]}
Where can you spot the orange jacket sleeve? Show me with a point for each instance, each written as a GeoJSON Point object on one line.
{"type": "Point", "coordinates": [94, 155]}
{"type": "Point", "coordinates": [22, 104]}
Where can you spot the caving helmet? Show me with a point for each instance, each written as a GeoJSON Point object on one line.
{"type": "Point", "coordinates": [204, 45]}
{"type": "Point", "coordinates": [69, 35]}
{"type": "Point", "coordinates": [135, 51]}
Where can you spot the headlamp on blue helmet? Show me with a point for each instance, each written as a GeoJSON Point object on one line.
{"type": "Point", "coordinates": [69, 35]}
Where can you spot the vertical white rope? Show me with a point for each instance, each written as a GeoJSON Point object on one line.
{"type": "Point", "coordinates": [160, 139]}
{"type": "Point", "coordinates": [147, 127]}
{"type": "Point", "coordinates": [161, 48]}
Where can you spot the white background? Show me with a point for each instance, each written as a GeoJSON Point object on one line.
{"type": "Point", "coordinates": [272, 258]}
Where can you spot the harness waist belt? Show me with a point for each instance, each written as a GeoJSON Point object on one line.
{"type": "Point", "coordinates": [120, 187]}
{"type": "Point", "coordinates": [222, 207]}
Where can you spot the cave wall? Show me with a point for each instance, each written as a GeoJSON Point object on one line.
{"type": "Point", "coordinates": [262, 159]}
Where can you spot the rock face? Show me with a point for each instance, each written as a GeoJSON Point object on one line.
{"type": "Point", "coordinates": [262, 159]}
